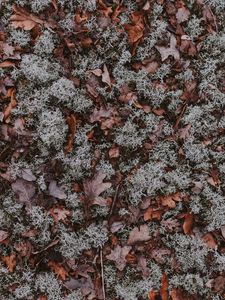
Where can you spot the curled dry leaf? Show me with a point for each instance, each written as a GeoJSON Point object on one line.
{"type": "Point", "coordinates": [118, 255]}
{"type": "Point", "coordinates": [165, 52]}
{"type": "Point", "coordinates": [170, 200]}
{"type": "Point", "coordinates": [56, 191]}
{"type": "Point", "coordinates": [105, 76]}
{"type": "Point", "coordinates": [188, 223]}
{"type": "Point", "coordinates": [72, 122]}
{"type": "Point", "coordinates": [94, 187]}
{"type": "Point", "coordinates": [209, 240]}
{"type": "Point", "coordinates": [136, 30]}
{"type": "Point", "coordinates": [139, 235]}
{"type": "Point", "coordinates": [164, 288]}
{"type": "Point", "coordinates": [3, 235]}
{"type": "Point", "coordinates": [24, 190]}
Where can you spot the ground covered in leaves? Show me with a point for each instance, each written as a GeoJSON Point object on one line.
{"type": "Point", "coordinates": [112, 156]}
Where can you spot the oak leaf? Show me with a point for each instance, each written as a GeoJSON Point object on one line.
{"type": "Point", "coordinates": [136, 30]}
{"type": "Point", "coordinates": [118, 255]}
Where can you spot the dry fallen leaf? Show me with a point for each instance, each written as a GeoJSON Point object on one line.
{"type": "Point", "coordinates": [165, 52]}
{"type": "Point", "coordinates": [105, 76]}
{"type": "Point", "coordinates": [135, 31]}
{"type": "Point", "coordinates": [3, 235]}
{"type": "Point", "coordinates": [24, 190]}
{"type": "Point", "coordinates": [10, 261]}
{"type": "Point", "coordinates": [7, 64]}
{"type": "Point", "coordinates": [59, 270]}
{"type": "Point", "coordinates": [56, 191]}
{"type": "Point", "coordinates": [118, 255]}
{"type": "Point", "coordinates": [94, 187]}
{"type": "Point", "coordinates": [209, 240]}
{"type": "Point", "coordinates": [139, 235]}
{"type": "Point", "coordinates": [59, 214]}
{"type": "Point", "coordinates": [25, 20]}
{"type": "Point", "coordinates": [72, 122]}
{"type": "Point", "coordinates": [188, 223]}
{"type": "Point", "coordinates": [164, 288]}
{"type": "Point", "coordinates": [182, 14]}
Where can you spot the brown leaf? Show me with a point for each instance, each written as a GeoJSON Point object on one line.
{"type": "Point", "coordinates": [94, 187]}
{"type": "Point", "coordinates": [105, 76]}
{"type": "Point", "coordinates": [102, 113]}
{"type": "Point", "coordinates": [28, 175]}
{"type": "Point", "coordinates": [135, 31]}
{"type": "Point", "coordinates": [153, 214]}
{"type": "Point", "coordinates": [56, 191]}
{"type": "Point", "coordinates": [114, 152]}
{"type": "Point", "coordinates": [3, 235]}
{"type": "Point", "coordinates": [152, 295]}
{"type": "Point", "coordinates": [170, 200]}
{"type": "Point", "coordinates": [25, 20]}
{"type": "Point", "coordinates": [139, 235]}
{"type": "Point", "coordinates": [164, 288]}
{"type": "Point", "coordinates": [59, 213]}
{"type": "Point", "coordinates": [11, 105]}
{"type": "Point", "coordinates": [10, 261]}
{"type": "Point", "coordinates": [24, 190]}
{"type": "Point", "coordinates": [7, 64]}
{"type": "Point", "coordinates": [188, 223]}
{"type": "Point", "coordinates": [118, 255]}
{"type": "Point", "coordinates": [209, 240]}
{"type": "Point", "coordinates": [72, 122]}
{"type": "Point", "coordinates": [59, 270]}
{"type": "Point", "coordinates": [165, 52]}
{"type": "Point", "coordinates": [182, 14]}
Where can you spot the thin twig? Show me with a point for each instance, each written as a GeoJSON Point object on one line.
{"type": "Point", "coordinates": [102, 275]}
{"type": "Point", "coordinates": [114, 200]}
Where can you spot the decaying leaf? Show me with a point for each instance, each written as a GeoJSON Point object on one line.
{"type": "Point", "coordinates": [10, 261]}
{"type": "Point", "coordinates": [106, 76]}
{"type": "Point", "coordinates": [118, 255]}
{"type": "Point", "coordinates": [188, 223]}
{"type": "Point", "coordinates": [136, 30]}
{"type": "Point", "coordinates": [165, 52]}
{"type": "Point", "coordinates": [170, 200]}
{"type": "Point", "coordinates": [56, 191]}
{"type": "Point", "coordinates": [24, 190]}
{"type": "Point", "coordinates": [59, 213]}
{"type": "Point", "coordinates": [94, 187]}
{"type": "Point", "coordinates": [164, 288]}
{"type": "Point", "coordinates": [72, 123]}
{"type": "Point", "coordinates": [58, 269]}
{"type": "Point", "coordinates": [3, 235]}
{"type": "Point", "coordinates": [139, 235]}
{"type": "Point", "coordinates": [182, 14]}
{"type": "Point", "coordinates": [25, 20]}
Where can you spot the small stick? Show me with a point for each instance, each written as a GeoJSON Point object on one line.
{"type": "Point", "coordinates": [114, 200]}
{"type": "Point", "coordinates": [102, 275]}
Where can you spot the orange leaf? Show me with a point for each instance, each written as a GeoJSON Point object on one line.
{"type": "Point", "coordinates": [152, 214]}
{"type": "Point", "coordinates": [164, 288]}
{"type": "Point", "coordinates": [11, 105]}
{"type": "Point", "coordinates": [170, 200]}
{"type": "Point", "coordinates": [6, 64]}
{"type": "Point", "coordinates": [10, 261]}
{"type": "Point", "coordinates": [152, 295]}
{"type": "Point", "coordinates": [188, 223]}
{"type": "Point", "coordinates": [59, 270]}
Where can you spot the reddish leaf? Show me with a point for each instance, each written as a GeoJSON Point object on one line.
{"type": "Point", "coordinates": [7, 64]}
{"type": "Point", "coordinates": [135, 31]}
{"type": "Point", "coordinates": [118, 255]}
{"type": "Point", "coordinates": [164, 288]}
{"type": "Point", "coordinates": [72, 122]}
{"type": "Point", "coordinates": [139, 235]}
{"type": "Point", "coordinates": [188, 223]}
{"type": "Point", "coordinates": [58, 269]}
